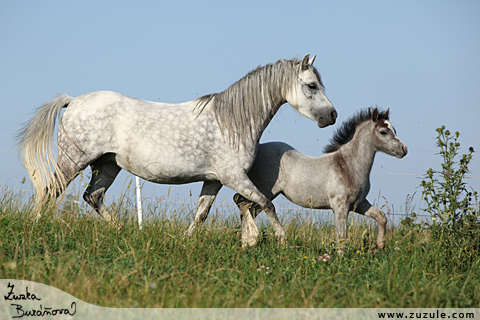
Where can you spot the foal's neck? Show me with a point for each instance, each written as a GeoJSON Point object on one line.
{"type": "Point", "coordinates": [359, 152]}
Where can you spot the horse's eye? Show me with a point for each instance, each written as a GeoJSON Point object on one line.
{"type": "Point", "coordinates": [312, 85]}
{"type": "Point", "coordinates": [383, 133]}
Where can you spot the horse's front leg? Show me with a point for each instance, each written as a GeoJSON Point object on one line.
{"type": "Point", "coordinates": [248, 213]}
{"type": "Point", "coordinates": [207, 196]}
{"type": "Point", "coordinates": [368, 210]}
{"type": "Point", "coordinates": [247, 189]}
{"type": "Point", "coordinates": [269, 209]}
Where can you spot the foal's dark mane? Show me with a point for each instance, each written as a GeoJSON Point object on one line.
{"type": "Point", "coordinates": [346, 132]}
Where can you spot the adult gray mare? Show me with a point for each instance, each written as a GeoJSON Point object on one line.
{"type": "Point", "coordinates": [338, 180]}
{"type": "Point", "coordinates": [212, 139]}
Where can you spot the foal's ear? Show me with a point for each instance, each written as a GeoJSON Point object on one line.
{"type": "Point", "coordinates": [311, 61]}
{"type": "Point", "coordinates": [387, 113]}
{"type": "Point", "coordinates": [305, 62]}
{"type": "Point", "coordinates": [375, 115]}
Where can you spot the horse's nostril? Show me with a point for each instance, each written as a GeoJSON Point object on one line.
{"type": "Point", "coordinates": [334, 115]}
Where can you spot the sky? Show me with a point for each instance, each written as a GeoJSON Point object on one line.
{"type": "Point", "coordinates": [418, 58]}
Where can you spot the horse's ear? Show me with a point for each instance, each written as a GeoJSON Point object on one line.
{"type": "Point", "coordinates": [387, 113]}
{"type": "Point", "coordinates": [375, 115]}
{"type": "Point", "coordinates": [305, 62]}
{"type": "Point", "coordinates": [311, 61]}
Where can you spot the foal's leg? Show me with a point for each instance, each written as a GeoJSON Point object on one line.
{"type": "Point", "coordinates": [368, 210]}
{"type": "Point", "coordinates": [248, 212]}
{"type": "Point", "coordinates": [103, 175]}
{"type": "Point", "coordinates": [340, 208]}
{"type": "Point", "coordinates": [207, 196]}
{"type": "Point", "coordinates": [242, 184]}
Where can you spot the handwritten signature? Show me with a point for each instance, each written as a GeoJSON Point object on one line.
{"type": "Point", "coordinates": [38, 312]}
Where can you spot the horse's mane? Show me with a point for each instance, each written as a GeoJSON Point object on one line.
{"type": "Point", "coordinates": [346, 131]}
{"type": "Point", "coordinates": [244, 106]}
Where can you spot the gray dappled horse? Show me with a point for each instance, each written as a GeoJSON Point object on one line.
{"type": "Point", "coordinates": [338, 180]}
{"type": "Point", "coordinates": [212, 139]}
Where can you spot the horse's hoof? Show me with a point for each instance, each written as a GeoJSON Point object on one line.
{"type": "Point", "coordinates": [249, 242]}
{"type": "Point", "coordinates": [189, 233]}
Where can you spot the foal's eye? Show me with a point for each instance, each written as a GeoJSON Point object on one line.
{"type": "Point", "coordinates": [312, 85]}
{"type": "Point", "coordinates": [383, 133]}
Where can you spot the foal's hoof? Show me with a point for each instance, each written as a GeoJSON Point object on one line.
{"type": "Point", "coordinates": [380, 246]}
{"type": "Point", "coordinates": [377, 249]}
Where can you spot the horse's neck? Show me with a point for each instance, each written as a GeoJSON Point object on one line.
{"type": "Point", "coordinates": [264, 123]}
{"type": "Point", "coordinates": [271, 108]}
{"type": "Point", "coordinates": [359, 153]}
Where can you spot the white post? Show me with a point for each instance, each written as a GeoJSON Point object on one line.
{"type": "Point", "coordinates": [139, 202]}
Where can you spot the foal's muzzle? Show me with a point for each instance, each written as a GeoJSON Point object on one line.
{"type": "Point", "coordinates": [403, 153]}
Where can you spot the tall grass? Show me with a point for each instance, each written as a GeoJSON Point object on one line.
{"type": "Point", "coordinates": [156, 267]}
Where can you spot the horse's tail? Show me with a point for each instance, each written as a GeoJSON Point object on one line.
{"type": "Point", "coordinates": [36, 152]}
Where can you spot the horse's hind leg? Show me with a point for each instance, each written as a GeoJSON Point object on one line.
{"type": "Point", "coordinates": [67, 170]}
{"type": "Point", "coordinates": [207, 196]}
{"type": "Point", "coordinates": [368, 210]}
{"type": "Point", "coordinates": [104, 172]}
{"type": "Point", "coordinates": [248, 212]}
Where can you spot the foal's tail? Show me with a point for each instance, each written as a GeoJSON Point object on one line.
{"type": "Point", "coordinates": [35, 143]}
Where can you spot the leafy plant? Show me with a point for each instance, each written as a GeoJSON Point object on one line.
{"type": "Point", "coordinates": [448, 199]}
{"type": "Point", "coordinates": [451, 203]}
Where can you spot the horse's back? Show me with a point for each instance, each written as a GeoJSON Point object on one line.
{"type": "Point", "coordinates": [114, 102]}
{"type": "Point", "coordinates": [98, 119]}
{"type": "Point", "coordinates": [111, 113]}
{"type": "Point", "coordinates": [160, 142]}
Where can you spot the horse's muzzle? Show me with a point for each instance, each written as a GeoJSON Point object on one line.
{"type": "Point", "coordinates": [327, 120]}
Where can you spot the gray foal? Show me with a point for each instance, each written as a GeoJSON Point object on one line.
{"type": "Point", "coordinates": [338, 180]}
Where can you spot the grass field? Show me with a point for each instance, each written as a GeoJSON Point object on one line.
{"type": "Point", "coordinates": [156, 267]}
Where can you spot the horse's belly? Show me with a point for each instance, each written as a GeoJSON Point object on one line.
{"type": "Point", "coordinates": [167, 171]}
{"type": "Point", "coordinates": [179, 179]}
{"type": "Point", "coordinates": [174, 177]}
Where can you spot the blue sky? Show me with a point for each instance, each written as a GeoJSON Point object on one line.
{"type": "Point", "coordinates": [418, 58]}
